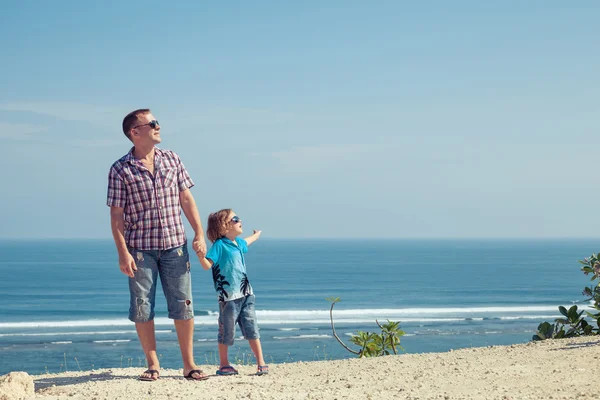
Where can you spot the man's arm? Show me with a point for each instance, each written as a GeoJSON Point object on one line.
{"type": "Point", "coordinates": [188, 204]}
{"type": "Point", "coordinates": [253, 238]}
{"type": "Point", "coordinates": [117, 224]}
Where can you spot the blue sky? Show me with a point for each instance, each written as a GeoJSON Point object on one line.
{"type": "Point", "coordinates": [347, 119]}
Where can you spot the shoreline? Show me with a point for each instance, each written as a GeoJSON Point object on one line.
{"type": "Point", "coordinates": [558, 369]}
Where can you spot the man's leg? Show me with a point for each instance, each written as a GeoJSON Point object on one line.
{"type": "Point", "coordinates": [142, 288]}
{"type": "Point", "coordinates": [145, 331]}
{"type": "Point", "coordinates": [174, 269]}
{"type": "Point", "coordinates": [185, 336]}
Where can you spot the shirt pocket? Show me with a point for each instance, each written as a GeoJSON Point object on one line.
{"type": "Point", "coordinates": [169, 178]}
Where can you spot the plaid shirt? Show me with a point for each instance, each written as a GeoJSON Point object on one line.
{"type": "Point", "coordinates": [151, 203]}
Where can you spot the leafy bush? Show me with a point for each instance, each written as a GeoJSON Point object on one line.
{"type": "Point", "coordinates": [574, 323]}
{"type": "Point", "coordinates": [371, 344]}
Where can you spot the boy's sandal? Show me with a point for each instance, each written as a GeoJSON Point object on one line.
{"type": "Point", "coordinates": [227, 370]}
{"type": "Point", "coordinates": [262, 370]}
{"type": "Point", "coordinates": [201, 376]}
{"type": "Point", "coordinates": [150, 378]}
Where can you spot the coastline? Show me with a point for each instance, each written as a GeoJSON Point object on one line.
{"type": "Point", "coordinates": [558, 369]}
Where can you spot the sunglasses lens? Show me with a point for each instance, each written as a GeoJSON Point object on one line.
{"type": "Point", "coordinates": [235, 219]}
{"type": "Point", "coordinates": [153, 124]}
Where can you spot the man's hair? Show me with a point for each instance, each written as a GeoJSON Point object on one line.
{"type": "Point", "coordinates": [217, 224]}
{"type": "Point", "coordinates": [131, 119]}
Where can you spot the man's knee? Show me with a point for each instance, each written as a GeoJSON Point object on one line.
{"type": "Point", "coordinates": [141, 310]}
{"type": "Point", "coordinates": [181, 309]}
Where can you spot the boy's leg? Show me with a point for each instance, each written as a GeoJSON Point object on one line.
{"type": "Point", "coordinates": [228, 314]}
{"type": "Point", "coordinates": [174, 269]}
{"type": "Point", "coordinates": [142, 289]}
{"type": "Point", "coordinates": [257, 350]}
{"type": "Point", "coordinates": [223, 355]}
{"type": "Point", "coordinates": [249, 327]}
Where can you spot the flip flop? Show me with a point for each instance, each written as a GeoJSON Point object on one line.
{"type": "Point", "coordinates": [151, 372]}
{"type": "Point", "coordinates": [190, 376]}
{"type": "Point", "coordinates": [262, 370]}
{"type": "Point", "coordinates": [227, 370]}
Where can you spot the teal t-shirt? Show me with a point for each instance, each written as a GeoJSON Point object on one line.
{"type": "Point", "coordinates": [229, 269]}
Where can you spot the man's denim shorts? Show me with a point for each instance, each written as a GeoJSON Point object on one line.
{"type": "Point", "coordinates": [173, 267]}
{"type": "Point", "coordinates": [240, 311]}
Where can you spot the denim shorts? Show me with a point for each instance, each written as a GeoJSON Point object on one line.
{"type": "Point", "coordinates": [242, 312]}
{"type": "Point", "coordinates": [173, 267]}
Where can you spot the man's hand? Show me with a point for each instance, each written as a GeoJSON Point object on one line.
{"type": "Point", "coordinates": [199, 245]}
{"type": "Point", "coordinates": [127, 265]}
{"type": "Point", "coordinates": [257, 233]}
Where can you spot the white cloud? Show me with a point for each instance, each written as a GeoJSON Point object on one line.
{"type": "Point", "coordinates": [314, 158]}
{"type": "Point", "coordinates": [70, 111]}
{"type": "Point", "coordinates": [236, 116]}
{"type": "Point", "coordinates": [96, 143]}
{"type": "Point", "coordinates": [20, 131]}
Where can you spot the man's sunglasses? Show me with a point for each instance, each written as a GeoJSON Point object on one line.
{"type": "Point", "coordinates": [152, 124]}
{"type": "Point", "coordinates": [236, 219]}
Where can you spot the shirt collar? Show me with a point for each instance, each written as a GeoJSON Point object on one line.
{"type": "Point", "coordinates": [131, 159]}
{"type": "Point", "coordinates": [229, 241]}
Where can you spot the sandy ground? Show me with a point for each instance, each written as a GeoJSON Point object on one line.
{"type": "Point", "coordinates": [558, 369]}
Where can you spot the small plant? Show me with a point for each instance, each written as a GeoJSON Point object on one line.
{"type": "Point", "coordinates": [371, 344]}
{"type": "Point", "coordinates": [574, 324]}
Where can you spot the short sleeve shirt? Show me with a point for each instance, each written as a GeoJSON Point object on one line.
{"type": "Point", "coordinates": [229, 269]}
{"type": "Point", "coordinates": [151, 203]}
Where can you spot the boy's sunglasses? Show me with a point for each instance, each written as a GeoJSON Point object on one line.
{"type": "Point", "coordinates": [236, 219]}
{"type": "Point", "coordinates": [152, 124]}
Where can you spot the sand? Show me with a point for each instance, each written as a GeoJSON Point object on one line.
{"type": "Point", "coordinates": [556, 369]}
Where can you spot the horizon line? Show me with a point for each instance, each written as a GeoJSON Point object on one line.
{"type": "Point", "coordinates": [350, 238]}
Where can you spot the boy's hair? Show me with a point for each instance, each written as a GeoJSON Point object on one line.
{"type": "Point", "coordinates": [130, 120]}
{"type": "Point", "coordinates": [217, 224]}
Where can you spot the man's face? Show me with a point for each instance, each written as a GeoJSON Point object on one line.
{"type": "Point", "coordinates": [146, 131]}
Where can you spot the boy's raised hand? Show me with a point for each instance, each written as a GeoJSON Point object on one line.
{"type": "Point", "coordinates": [254, 237]}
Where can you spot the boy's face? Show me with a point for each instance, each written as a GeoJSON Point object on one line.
{"type": "Point", "coordinates": [234, 225]}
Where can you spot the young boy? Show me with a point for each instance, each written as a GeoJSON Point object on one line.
{"type": "Point", "coordinates": [235, 295]}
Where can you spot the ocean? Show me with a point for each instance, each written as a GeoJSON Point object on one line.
{"type": "Point", "coordinates": [64, 303]}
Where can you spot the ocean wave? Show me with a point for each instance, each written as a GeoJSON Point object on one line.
{"type": "Point", "coordinates": [354, 316]}
{"type": "Point", "coordinates": [112, 341]}
{"type": "Point", "coordinates": [302, 337]}
{"type": "Point", "coordinates": [78, 333]}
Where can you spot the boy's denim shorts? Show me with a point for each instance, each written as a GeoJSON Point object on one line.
{"type": "Point", "coordinates": [240, 311]}
{"type": "Point", "coordinates": [173, 267]}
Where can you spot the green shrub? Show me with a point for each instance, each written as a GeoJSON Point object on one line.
{"type": "Point", "coordinates": [372, 344]}
{"type": "Point", "coordinates": [574, 323]}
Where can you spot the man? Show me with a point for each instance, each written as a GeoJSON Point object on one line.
{"type": "Point", "coordinates": [147, 188]}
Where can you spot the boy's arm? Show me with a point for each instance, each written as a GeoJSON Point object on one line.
{"type": "Point", "coordinates": [253, 238]}
{"type": "Point", "coordinates": [205, 262]}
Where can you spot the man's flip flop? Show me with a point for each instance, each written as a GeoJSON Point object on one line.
{"type": "Point", "coordinates": [227, 370]}
{"type": "Point", "coordinates": [190, 376]}
{"type": "Point", "coordinates": [149, 378]}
